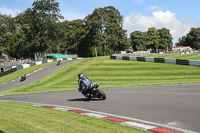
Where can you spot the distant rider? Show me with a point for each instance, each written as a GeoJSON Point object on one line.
{"type": "Point", "coordinates": [23, 77]}
{"type": "Point", "coordinates": [84, 84]}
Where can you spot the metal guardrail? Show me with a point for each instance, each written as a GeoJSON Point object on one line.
{"type": "Point", "coordinates": [159, 60]}
{"type": "Point", "coordinates": [5, 64]}
{"type": "Point", "coordinates": [143, 54]}
{"type": "Point", "coordinates": [8, 64]}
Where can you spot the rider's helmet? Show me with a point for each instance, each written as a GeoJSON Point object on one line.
{"type": "Point", "coordinates": [80, 75]}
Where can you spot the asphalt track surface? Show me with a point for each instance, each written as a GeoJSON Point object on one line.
{"type": "Point", "coordinates": [171, 105]}
{"type": "Point", "coordinates": [34, 76]}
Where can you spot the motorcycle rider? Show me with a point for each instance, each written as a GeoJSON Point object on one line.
{"type": "Point", "coordinates": [23, 77]}
{"type": "Point", "coordinates": [59, 62]}
{"type": "Point", "coordinates": [84, 84]}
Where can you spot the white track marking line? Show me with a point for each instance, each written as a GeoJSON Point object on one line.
{"type": "Point", "coordinates": [138, 125]}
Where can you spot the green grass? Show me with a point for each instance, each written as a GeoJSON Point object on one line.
{"type": "Point", "coordinates": [186, 57]}
{"type": "Point", "coordinates": [26, 118]}
{"type": "Point", "coordinates": [17, 74]}
{"type": "Point", "coordinates": [112, 73]}
{"type": "Point", "coordinates": [23, 118]}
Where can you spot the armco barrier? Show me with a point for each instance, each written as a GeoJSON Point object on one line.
{"type": "Point", "coordinates": [141, 59]}
{"type": "Point", "coordinates": [119, 57]}
{"type": "Point", "coordinates": [112, 57]}
{"type": "Point", "coordinates": [33, 64]}
{"type": "Point", "coordinates": [125, 57]}
{"type": "Point", "coordinates": [149, 60]}
{"type": "Point", "coordinates": [170, 61]}
{"type": "Point", "coordinates": [44, 61]}
{"type": "Point", "coordinates": [133, 58]}
{"type": "Point", "coordinates": [69, 58]}
{"type": "Point", "coordinates": [182, 62]}
{"type": "Point", "coordinates": [38, 62]}
{"type": "Point", "coordinates": [19, 67]}
{"type": "Point", "coordinates": [8, 72]}
{"type": "Point", "coordinates": [159, 60]}
{"type": "Point", "coordinates": [26, 65]}
{"type": "Point", "coordinates": [194, 63]}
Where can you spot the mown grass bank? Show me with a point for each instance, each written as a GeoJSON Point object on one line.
{"type": "Point", "coordinates": [112, 73]}
{"type": "Point", "coordinates": [186, 56]}
{"type": "Point", "coordinates": [26, 118]}
{"type": "Point", "coordinates": [17, 74]}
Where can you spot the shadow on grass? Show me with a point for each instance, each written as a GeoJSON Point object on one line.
{"type": "Point", "coordinates": [82, 99]}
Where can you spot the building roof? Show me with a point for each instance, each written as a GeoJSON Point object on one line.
{"type": "Point", "coordinates": [59, 55]}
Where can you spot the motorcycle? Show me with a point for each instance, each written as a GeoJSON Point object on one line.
{"type": "Point", "coordinates": [59, 62]}
{"type": "Point", "coordinates": [95, 92]}
{"type": "Point", "coordinates": [23, 77]}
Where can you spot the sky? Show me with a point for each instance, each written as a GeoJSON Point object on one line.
{"type": "Point", "coordinates": [176, 15]}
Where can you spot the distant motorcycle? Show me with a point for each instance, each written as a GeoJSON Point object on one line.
{"type": "Point", "coordinates": [59, 62]}
{"type": "Point", "coordinates": [23, 77]}
{"type": "Point", "coordinates": [95, 92]}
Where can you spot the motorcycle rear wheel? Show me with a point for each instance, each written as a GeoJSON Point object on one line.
{"type": "Point", "coordinates": [101, 95]}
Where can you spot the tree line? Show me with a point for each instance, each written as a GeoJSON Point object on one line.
{"type": "Point", "coordinates": [154, 40]}
{"type": "Point", "coordinates": [192, 39]}
{"type": "Point", "coordinates": [42, 29]}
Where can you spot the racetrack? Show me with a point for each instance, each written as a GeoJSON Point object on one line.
{"type": "Point", "coordinates": [34, 76]}
{"type": "Point", "coordinates": [173, 105]}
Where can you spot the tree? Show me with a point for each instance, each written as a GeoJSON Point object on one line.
{"type": "Point", "coordinates": [3, 31]}
{"type": "Point", "coordinates": [95, 26]}
{"type": "Point", "coordinates": [153, 39]}
{"type": "Point", "coordinates": [13, 39]}
{"type": "Point", "coordinates": [138, 40]}
{"type": "Point", "coordinates": [181, 41]}
{"type": "Point", "coordinates": [24, 19]}
{"type": "Point", "coordinates": [165, 38]}
{"type": "Point", "coordinates": [11, 36]}
{"type": "Point", "coordinates": [114, 30]}
{"type": "Point", "coordinates": [74, 36]}
{"type": "Point", "coordinates": [39, 30]}
{"type": "Point", "coordinates": [44, 17]}
{"type": "Point", "coordinates": [193, 38]}
{"type": "Point", "coordinates": [105, 30]}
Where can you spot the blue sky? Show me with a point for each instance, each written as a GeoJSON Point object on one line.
{"type": "Point", "coordinates": [177, 15]}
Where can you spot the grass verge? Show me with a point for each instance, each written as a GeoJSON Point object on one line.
{"type": "Point", "coordinates": [26, 118]}
{"type": "Point", "coordinates": [112, 73]}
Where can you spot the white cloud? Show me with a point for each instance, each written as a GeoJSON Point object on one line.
{"type": "Point", "coordinates": [154, 8]}
{"type": "Point", "coordinates": [159, 19]}
{"type": "Point", "coordinates": [139, 1]}
{"type": "Point", "coordinates": [7, 11]}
